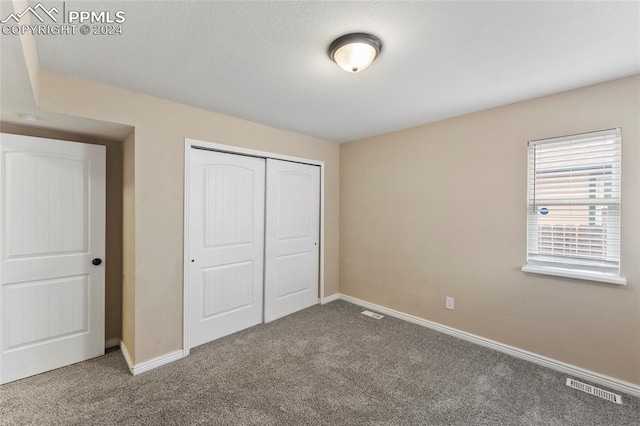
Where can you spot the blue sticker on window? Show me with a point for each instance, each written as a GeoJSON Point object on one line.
{"type": "Point", "coordinates": [544, 211]}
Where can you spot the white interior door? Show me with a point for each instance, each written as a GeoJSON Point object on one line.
{"type": "Point", "coordinates": [226, 244]}
{"type": "Point", "coordinates": [52, 227]}
{"type": "Point", "coordinates": [292, 236]}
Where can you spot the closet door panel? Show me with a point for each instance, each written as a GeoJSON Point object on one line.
{"type": "Point", "coordinates": [226, 244]}
{"type": "Point", "coordinates": [292, 237]}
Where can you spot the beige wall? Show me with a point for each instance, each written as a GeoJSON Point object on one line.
{"type": "Point", "coordinates": [440, 210]}
{"type": "Point", "coordinates": [128, 245]}
{"type": "Point", "coordinates": [113, 253]}
{"type": "Point", "coordinates": [160, 129]}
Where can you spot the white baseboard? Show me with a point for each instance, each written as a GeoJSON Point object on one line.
{"type": "Point", "coordinates": [157, 362]}
{"type": "Point", "coordinates": [127, 356]}
{"type": "Point", "coordinates": [152, 363]}
{"type": "Point", "coordinates": [331, 298]}
{"type": "Point", "coordinates": [588, 375]}
{"type": "Point", "coordinates": [111, 343]}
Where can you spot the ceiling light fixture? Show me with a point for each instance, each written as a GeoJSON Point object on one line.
{"type": "Point", "coordinates": [355, 52]}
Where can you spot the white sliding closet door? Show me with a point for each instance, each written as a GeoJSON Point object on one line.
{"type": "Point", "coordinates": [292, 237]}
{"type": "Point", "coordinates": [226, 244]}
{"type": "Point", "coordinates": [52, 232]}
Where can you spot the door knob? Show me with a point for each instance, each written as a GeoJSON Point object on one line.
{"type": "Point", "coordinates": [96, 261]}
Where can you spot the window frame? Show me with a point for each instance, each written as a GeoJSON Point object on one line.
{"type": "Point", "coordinates": [557, 270]}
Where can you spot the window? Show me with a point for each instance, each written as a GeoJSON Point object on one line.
{"type": "Point", "coordinates": [573, 219]}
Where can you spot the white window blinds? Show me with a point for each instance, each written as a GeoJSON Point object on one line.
{"type": "Point", "coordinates": [574, 203]}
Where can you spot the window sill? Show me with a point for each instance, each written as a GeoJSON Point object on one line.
{"type": "Point", "coordinates": [590, 276]}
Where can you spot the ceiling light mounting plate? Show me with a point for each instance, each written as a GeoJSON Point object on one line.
{"type": "Point", "coordinates": [28, 117]}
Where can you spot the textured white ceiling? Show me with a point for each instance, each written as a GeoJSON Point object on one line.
{"type": "Point", "coordinates": [267, 61]}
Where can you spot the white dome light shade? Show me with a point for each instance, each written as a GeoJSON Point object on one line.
{"type": "Point", "coordinates": [355, 57]}
{"type": "Point", "coordinates": [355, 52]}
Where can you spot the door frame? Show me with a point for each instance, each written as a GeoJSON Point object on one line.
{"type": "Point", "coordinates": [230, 149]}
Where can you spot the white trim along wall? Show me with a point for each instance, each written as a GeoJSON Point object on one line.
{"type": "Point", "coordinates": [578, 372]}
{"type": "Point", "coordinates": [591, 376]}
{"type": "Point", "coordinates": [193, 143]}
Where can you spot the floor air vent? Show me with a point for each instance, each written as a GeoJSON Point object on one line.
{"type": "Point", "coordinates": [372, 314]}
{"type": "Point", "coordinates": [609, 396]}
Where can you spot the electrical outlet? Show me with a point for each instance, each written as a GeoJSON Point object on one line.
{"type": "Point", "coordinates": [449, 302]}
